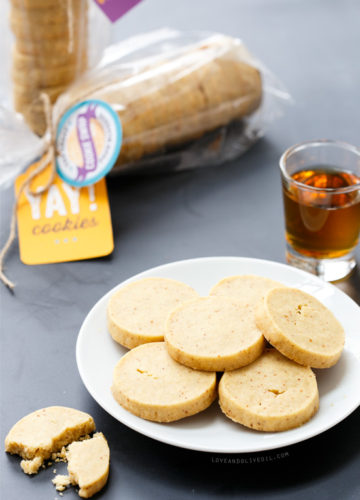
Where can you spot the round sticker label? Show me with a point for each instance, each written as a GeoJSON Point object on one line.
{"type": "Point", "coordinates": [88, 142]}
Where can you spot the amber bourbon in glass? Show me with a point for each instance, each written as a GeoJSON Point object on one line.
{"type": "Point", "coordinates": [321, 192]}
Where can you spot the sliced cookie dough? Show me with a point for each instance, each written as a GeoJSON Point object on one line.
{"type": "Point", "coordinates": [151, 385]}
{"type": "Point", "coordinates": [300, 327]}
{"type": "Point", "coordinates": [249, 287]}
{"type": "Point", "coordinates": [40, 434]}
{"type": "Point", "coordinates": [88, 466]}
{"type": "Point", "coordinates": [272, 394]}
{"type": "Point", "coordinates": [137, 312]}
{"type": "Point", "coordinates": [214, 333]}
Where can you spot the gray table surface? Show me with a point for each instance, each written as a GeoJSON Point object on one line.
{"type": "Point", "coordinates": [235, 209]}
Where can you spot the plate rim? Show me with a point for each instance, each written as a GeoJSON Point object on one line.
{"type": "Point", "coordinates": [173, 441]}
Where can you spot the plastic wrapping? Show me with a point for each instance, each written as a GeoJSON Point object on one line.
{"type": "Point", "coordinates": [49, 52]}
{"type": "Point", "coordinates": [47, 44]}
{"type": "Point", "coordinates": [184, 99]}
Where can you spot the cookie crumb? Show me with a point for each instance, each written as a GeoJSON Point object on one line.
{"type": "Point", "coordinates": [32, 466]}
{"type": "Point", "coordinates": [59, 456]}
{"type": "Point", "coordinates": [61, 482]}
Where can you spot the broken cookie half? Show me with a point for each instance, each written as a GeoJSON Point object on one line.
{"type": "Point", "coordinates": [88, 466]}
{"type": "Point", "coordinates": [43, 434]}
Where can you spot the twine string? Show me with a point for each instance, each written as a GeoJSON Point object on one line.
{"type": "Point", "coordinates": [47, 159]}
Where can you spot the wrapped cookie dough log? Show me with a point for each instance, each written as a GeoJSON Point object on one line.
{"type": "Point", "coordinates": [170, 99]}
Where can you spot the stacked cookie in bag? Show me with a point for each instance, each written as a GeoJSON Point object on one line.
{"type": "Point", "coordinates": [49, 52]}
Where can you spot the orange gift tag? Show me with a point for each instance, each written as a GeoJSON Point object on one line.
{"type": "Point", "coordinates": [65, 223]}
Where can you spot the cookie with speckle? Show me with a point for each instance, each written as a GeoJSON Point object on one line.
{"type": "Point", "coordinates": [214, 333]}
{"type": "Point", "coordinates": [248, 287]}
{"type": "Point", "coordinates": [38, 435]}
{"type": "Point", "coordinates": [88, 466]}
{"type": "Point", "coordinates": [151, 385]}
{"type": "Point", "coordinates": [300, 327]}
{"type": "Point", "coordinates": [272, 394]}
{"type": "Point", "coordinates": [136, 314]}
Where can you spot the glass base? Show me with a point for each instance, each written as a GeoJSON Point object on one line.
{"type": "Point", "coordinates": [327, 269]}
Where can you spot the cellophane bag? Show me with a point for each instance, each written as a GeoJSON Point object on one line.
{"type": "Point", "coordinates": [184, 100]}
{"type": "Point", "coordinates": [47, 45]}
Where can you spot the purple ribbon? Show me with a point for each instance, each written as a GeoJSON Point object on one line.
{"type": "Point", "coordinates": [88, 150]}
{"type": "Point", "coordinates": [114, 9]}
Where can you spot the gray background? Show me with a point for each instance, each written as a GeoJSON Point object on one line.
{"type": "Point", "coordinates": [235, 209]}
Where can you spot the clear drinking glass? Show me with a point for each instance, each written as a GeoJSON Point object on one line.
{"type": "Point", "coordinates": [321, 193]}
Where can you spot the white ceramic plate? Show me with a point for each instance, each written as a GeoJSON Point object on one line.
{"type": "Point", "coordinates": [211, 431]}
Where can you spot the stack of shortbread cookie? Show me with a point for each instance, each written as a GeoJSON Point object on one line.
{"type": "Point", "coordinates": [179, 341]}
{"type": "Point", "coordinates": [50, 51]}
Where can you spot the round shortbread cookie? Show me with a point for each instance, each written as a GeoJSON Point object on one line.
{"type": "Point", "coordinates": [37, 435]}
{"type": "Point", "coordinates": [33, 113]}
{"type": "Point", "coordinates": [67, 21]}
{"type": "Point", "coordinates": [36, 120]}
{"type": "Point", "coordinates": [30, 96]}
{"type": "Point", "coordinates": [38, 32]}
{"type": "Point", "coordinates": [58, 13]}
{"type": "Point", "coordinates": [26, 62]}
{"type": "Point", "coordinates": [137, 312]}
{"type": "Point", "coordinates": [272, 394]}
{"type": "Point", "coordinates": [28, 103]}
{"type": "Point", "coordinates": [46, 77]}
{"type": "Point", "coordinates": [214, 333]}
{"type": "Point", "coordinates": [248, 287]}
{"type": "Point", "coordinates": [43, 4]}
{"type": "Point", "coordinates": [150, 384]}
{"type": "Point", "coordinates": [300, 327]}
{"type": "Point", "coordinates": [57, 46]}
